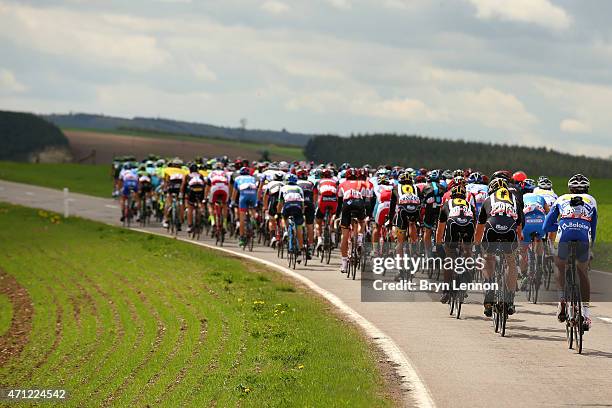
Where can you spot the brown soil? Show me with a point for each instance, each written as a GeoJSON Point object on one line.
{"type": "Point", "coordinates": [108, 145]}
{"type": "Point", "coordinates": [14, 340]}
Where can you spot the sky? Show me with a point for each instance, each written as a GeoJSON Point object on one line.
{"type": "Point", "coordinates": [529, 72]}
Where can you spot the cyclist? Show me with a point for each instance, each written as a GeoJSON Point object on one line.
{"type": "Point", "coordinates": [325, 195]}
{"type": "Point", "coordinates": [217, 191]}
{"type": "Point", "coordinates": [477, 190]}
{"type": "Point", "coordinates": [499, 227]}
{"type": "Point", "coordinates": [271, 192]}
{"type": "Point", "coordinates": [383, 190]}
{"type": "Point", "coordinates": [432, 199]}
{"type": "Point", "coordinates": [173, 180]}
{"type": "Point", "coordinates": [534, 211]}
{"type": "Point", "coordinates": [545, 189]}
{"type": "Point", "coordinates": [404, 210]}
{"type": "Point", "coordinates": [193, 188]}
{"type": "Point", "coordinates": [351, 205]}
{"type": "Point", "coordinates": [128, 184]}
{"type": "Point", "coordinates": [456, 223]}
{"type": "Point", "coordinates": [576, 216]}
{"type": "Point", "coordinates": [291, 204]}
{"type": "Point", "coordinates": [307, 187]}
{"type": "Point", "coordinates": [145, 190]}
{"type": "Point", "coordinates": [245, 191]}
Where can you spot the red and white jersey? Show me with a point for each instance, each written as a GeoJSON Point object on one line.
{"type": "Point", "coordinates": [218, 177]}
{"type": "Point", "coordinates": [327, 187]}
{"type": "Point", "coordinates": [354, 190]}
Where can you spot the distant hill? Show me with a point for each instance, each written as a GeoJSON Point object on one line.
{"type": "Point", "coordinates": [27, 137]}
{"type": "Point", "coordinates": [417, 151]}
{"type": "Point", "coordinates": [101, 122]}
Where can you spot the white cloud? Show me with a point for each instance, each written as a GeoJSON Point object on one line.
{"type": "Point", "coordinates": [203, 72]}
{"type": "Point", "coordinates": [274, 7]}
{"type": "Point", "coordinates": [85, 36]}
{"type": "Point", "coordinates": [539, 12]}
{"type": "Point", "coordinates": [10, 84]}
{"type": "Point", "coordinates": [574, 126]}
{"type": "Point", "coordinates": [340, 4]}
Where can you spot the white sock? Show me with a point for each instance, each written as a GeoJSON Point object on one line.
{"type": "Point", "coordinates": [359, 239]}
{"type": "Point", "coordinates": [344, 262]}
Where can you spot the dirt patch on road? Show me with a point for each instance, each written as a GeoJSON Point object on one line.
{"type": "Point", "coordinates": [14, 340]}
{"type": "Point", "coordinates": [108, 145]}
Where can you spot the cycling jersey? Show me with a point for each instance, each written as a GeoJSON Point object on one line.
{"type": "Point", "coordinates": [432, 198]}
{"type": "Point", "coordinates": [576, 217]}
{"type": "Point", "coordinates": [534, 213]}
{"type": "Point", "coordinates": [327, 196]}
{"type": "Point", "coordinates": [351, 194]}
{"type": "Point", "coordinates": [501, 216]}
{"type": "Point", "coordinates": [272, 189]}
{"type": "Point", "coordinates": [247, 189]}
{"type": "Point", "coordinates": [476, 195]}
{"type": "Point", "coordinates": [174, 179]}
{"type": "Point", "coordinates": [292, 198]}
{"type": "Point", "coordinates": [129, 179]}
{"type": "Point", "coordinates": [460, 218]}
{"type": "Point", "coordinates": [549, 195]}
{"type": "Point", "coordinates": [309, 208]}
{"type": "Point", "coordinates": [404, 205]}
{"type": "Point", "coordinates": [383, 195]}
{"type": "Point", "coordinates": [195, 187]}
{"type": "Point", "coordinates": [218, 181]}
{"type": "Point", "coordinates": [144, 184]}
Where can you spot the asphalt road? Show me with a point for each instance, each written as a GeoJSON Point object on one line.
{"type": "Point", "coordinates": [462, 363]}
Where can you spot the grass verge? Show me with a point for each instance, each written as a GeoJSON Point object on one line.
{"type": "Point", "coordinates": [123, 318]}
{"type": "Point", "coordinates": [79, 178]}
{"type": "Point", "coordinates": [6, 313]}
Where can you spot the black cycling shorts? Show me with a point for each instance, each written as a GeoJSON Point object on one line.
{"type": "Point", "coordinates": [352, 209]}
{"type": "Point", "coordinates": [500, 233]}
{"type": "Point", "coordinates": [309, 212]}
{"type": "Point", "coordinates": [458, 232]}
{"type": "Point", "coordinates": [403, 217]}
{"type": "Point", "coordinates": [272, 204]}
{"type": "Point", "coordinates": [294, 211]}
{"type": "Point", "coordinates": [431, 216]}
{"type": "Point", "coordinates": [195, 196]}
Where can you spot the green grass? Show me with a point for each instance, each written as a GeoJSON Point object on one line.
{"type": "Point", "coordinates": [139, 320]}
{"type": "Point", "coordinates": [80, 178]}
{"type": "Point", "coordinates": [6, 313]}
{"type": "Point", "coordinates": [286, 152]}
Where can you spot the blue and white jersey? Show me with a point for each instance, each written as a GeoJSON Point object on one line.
{"type": "Point", "coordinates": [476, 195]}
{"type": "Point", "coordinates": [549, 195]}
{"type": "Point", "coordinates": [129, 177]}
{"type": "Point", "coordinates": [246, 185]}
{"type": "Point", "coordinates": [576, 217]}
{"type": "Point", "coordinates": [534, 205]}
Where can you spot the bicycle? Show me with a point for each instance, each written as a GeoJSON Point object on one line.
{"type": "Point", "coordinates": [500, 306]}
{"type": "Point", "coordinates": [219, 230]}
{"type": "Point", "coordinates": [128, 210]}
{"type": "Point", "coordinates": [196, 228]}
{"type": "Point", "coordinates": [534, 271]}
{"type": "Point", "coordinates": [574, 329]}
{"type": "Point", "coordinates": [326, 249]}
{"type": "Point", "coordinates": [145, 212]}
{"type": "Point", "coordinates": [174, 215]}
{"type": "Point", "coordinates": [250, 234]}
{"type": "Point", "coordinates": [457, 296]}
{"type": "Point", "coordinates": [292, 242]}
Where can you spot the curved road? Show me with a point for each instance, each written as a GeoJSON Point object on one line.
{"type": "Point", "coordinates": [461, 362]}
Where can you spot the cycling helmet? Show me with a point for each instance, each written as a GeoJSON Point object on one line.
{"type": "Point", "coordinates": [420, 178]}
{"type": "Point", "coordinates": [244, 171]}
{"type": "Point", "coordinates": [434, 175]}
{"type": "Point", "coordinates": [529, 185]}
{"type": "Point", "coordinates": [326, 173]}
{"type": "Point", "coordinates": [284, 166]}
{"type": "Point", "coordinates": [291, 178]}
{"type": "Point", "coordinates": [497, 184]}
{"type": "Point", "coordinates": [447, 174]}
{"type": "Point", "coordinates": [160, 163]}
{"type": "Point", "coordinates": [176, 162]}
{"type": "Point", "coordinates": [345, 166]}
{"type": "Point", "coordinates": [193, 168]}
{"type": "Point", "coordinates": [519, 176]}
{"type": "Point", "coordinates": [411, 171]}
{"type": "Point", "coordinates": [279, 176]}
{"type": "Point", "coordinates": [383, 179]}
{"type": "Point", "coordinates": [219, 165]}
{"type": "Point", "coordinates": [578, 184]}
{"type": "Point", "coordinates": [302, 174]}
{"type": "Point", "coordinates": [350, 174]}
{"type": "Point", "coordinates": [423, 171]}
{"type": "Point", "coordinates": [544, 183]}
{"type": "Point", "coordinates": [458, 180]}
{"type": "Point", "coordinates": [458, 191]}
{"type": "Point", "coordinates": [475, 178]}
{"type": "Point", "coordinates": [405, 178]}
{"type": "Point", "coordinates": [458, 173]}
{"type": "Point", "coordinates": [505, 174]}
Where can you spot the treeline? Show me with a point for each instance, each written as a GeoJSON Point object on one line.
{"type": "Point", "coordinates": [101, 122]}
{"type": "Point", "coordinates": [24, 135]}
{"type": "Point", "coordinates": [418, 151]}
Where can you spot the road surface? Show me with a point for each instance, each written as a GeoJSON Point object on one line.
{"type": "Point", "coordinates": [462, 363]}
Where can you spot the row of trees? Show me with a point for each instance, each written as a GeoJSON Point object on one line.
{"type": "Point", "coordinates": [418, 151]}
{"type": "Point", "coordinates": [25, 134]}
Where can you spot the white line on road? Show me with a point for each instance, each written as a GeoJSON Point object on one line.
{"type": "Point", "coordinates": [420, 393]}
{"type": "Point", "coordinates": [111, 206]}
{"type": "Point", "coordinates": [29, 193]}
{"type": "Point", "coordinates": [605, 319]}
